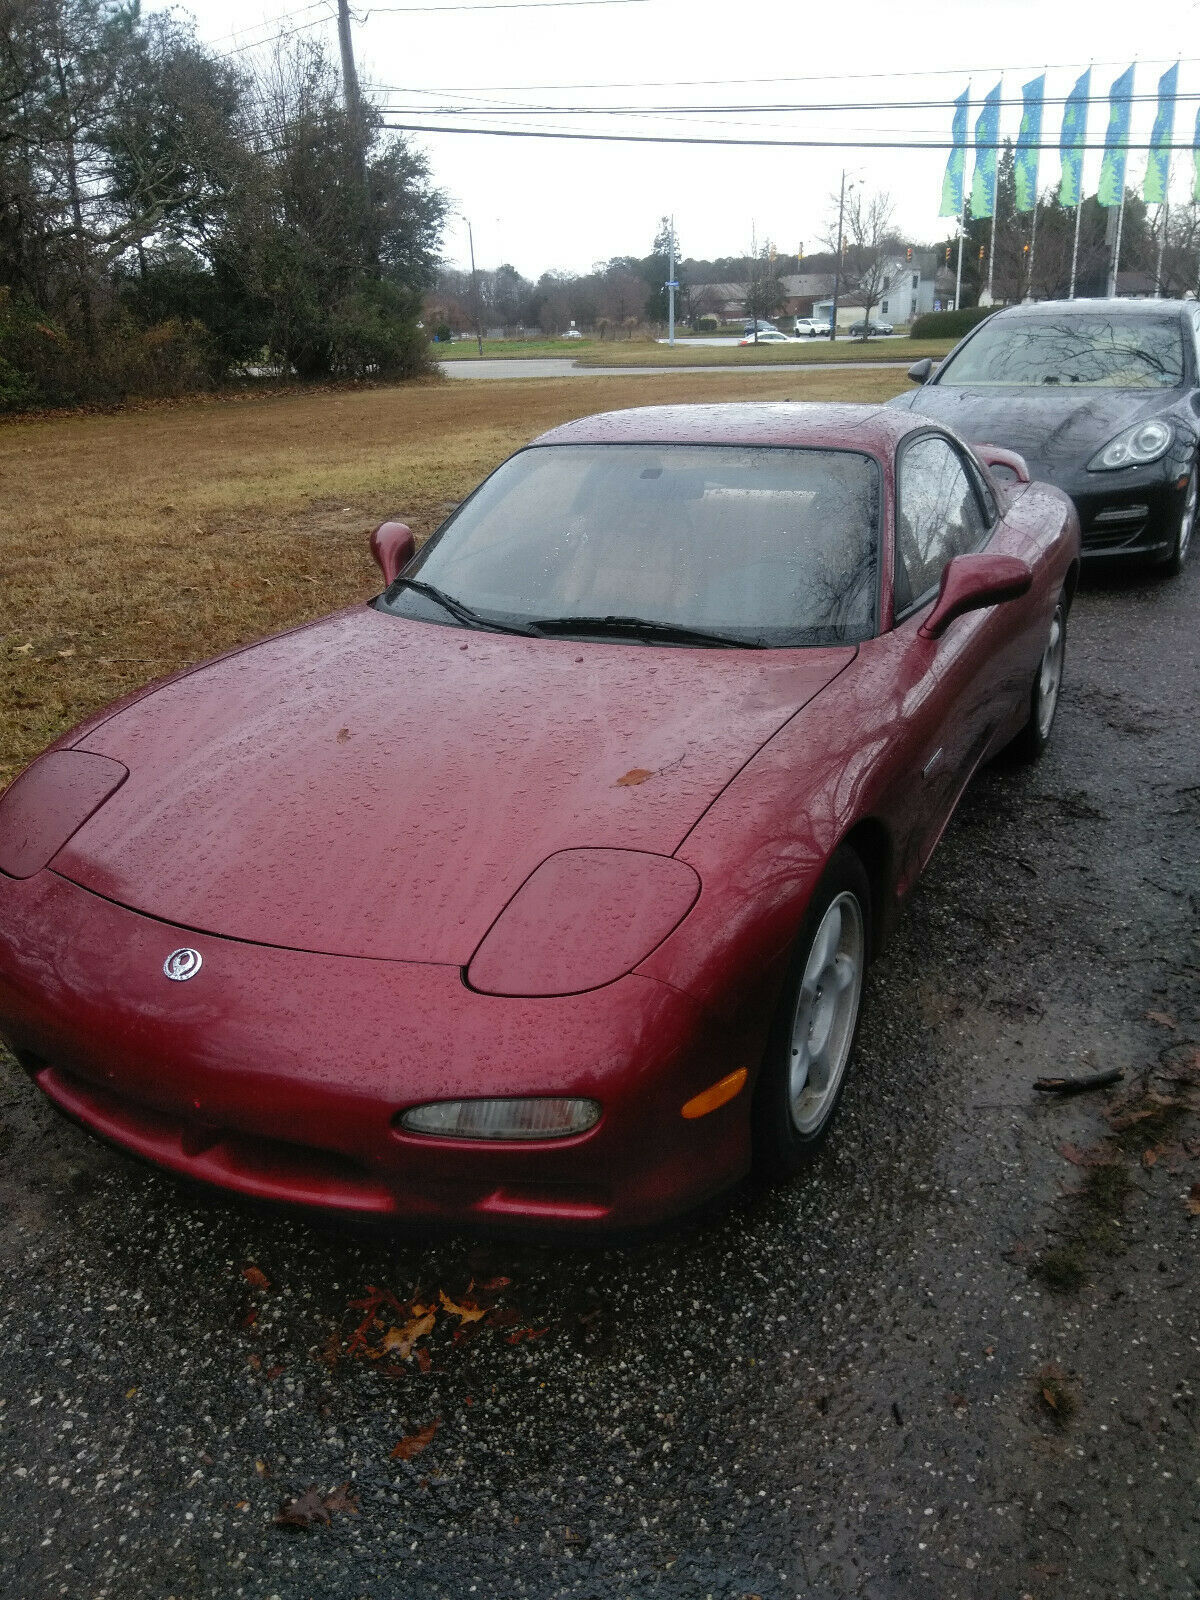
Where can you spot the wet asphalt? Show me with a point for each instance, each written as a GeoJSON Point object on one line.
{"type": "Point", "coordinates": [869, 1383]}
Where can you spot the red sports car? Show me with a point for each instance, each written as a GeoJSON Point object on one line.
{"type": "Point", "coordinates": [541, 888]}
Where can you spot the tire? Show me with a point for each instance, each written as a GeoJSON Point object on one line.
{"type": "Point", "coordinates": [1173, 565]}
{"type": "Point", "coordinates": [793, 1108]}
{"type": "Point", "coordinates": [1047, 685]}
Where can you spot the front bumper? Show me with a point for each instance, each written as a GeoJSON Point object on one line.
{"type": "Point", "coordinates": [1131, 513]}
{"type": "Point", "coordinates": [279, 1073]}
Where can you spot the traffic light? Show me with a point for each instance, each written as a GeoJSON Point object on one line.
{"type": "Point", "coordinates": [908, 253]}
{"type": "Point", "coordinates": [981, 252]}
{"type": "Point", "coordinates": [1025, 249]}
{"type": "Point", "coordinates": [947, 255]}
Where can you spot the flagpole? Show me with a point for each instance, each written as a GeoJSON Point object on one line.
{"type": "Point", "coordinates": [992, 250]}
{"type": "Point", "coordinates": [958, 274]}
{"type": "Point", "coordinates": [1115, 265]}
{"type": "Point", "coordinates": [1075, 246]}
{"type": "Point", "coordinates": [1032, 247]}
{"type": "Point", "coordinates": [1164, 218]}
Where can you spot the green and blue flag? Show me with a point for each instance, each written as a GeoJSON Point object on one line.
{"type": "Point", "coordinates": [1116, 140]}
{"type": "Point", "coordinates": [1155, 191]}
{"type": "Point", "coordinates": [1072, 140]}
{"type": "Point", "coordinates": [956, 166]}
{"type": "Point", "coordinates": [1029, 138]}
{"type": "Point", "coordinates": [987, 137]}
{"type": "Point", "coordinates": [1196, 159]}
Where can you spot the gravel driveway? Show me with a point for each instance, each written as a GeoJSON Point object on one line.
{"type": "Point", "coordinates": [952, 1361]}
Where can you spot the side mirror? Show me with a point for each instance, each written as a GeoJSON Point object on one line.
{"type": "Point", "coordinates": [920, 370]}
{"type": "Point", "coordinates": [969, 583]}
{"type": "Point", "coordinates": [393, 546]}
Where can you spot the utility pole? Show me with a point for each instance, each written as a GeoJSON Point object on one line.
{"type": "Point", "coordinates": [672, 285]}
{"type": "Point", "coordinates": [350, 94]}
{"type": "Point", "coordinates": [1032, 249]}
{"type": "Point", "coordinates": [474, 287]}
{"type": "Point", "coordinates": [1115, 262]}
{"type": "Point", "coordinates": [1164, 222]}
{"type": "Point", "coordinates": [837, 265]}
{"type": "Point", "coordinates": [1075, 246]}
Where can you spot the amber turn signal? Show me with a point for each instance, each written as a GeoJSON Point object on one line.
{"type": "Point", "coordinates": [715, 1095]}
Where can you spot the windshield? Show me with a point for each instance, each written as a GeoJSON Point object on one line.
{"type": "Point", "coordinates": [756, 546]}
{"type": "Point", "coordinates": [1099, 350]}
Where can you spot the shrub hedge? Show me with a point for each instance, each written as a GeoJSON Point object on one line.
{"type": "Point", "coordinates": [949, 324]}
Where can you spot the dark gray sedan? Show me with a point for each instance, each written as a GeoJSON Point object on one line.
{"type": "Point", "coordinates": [1102, 398]}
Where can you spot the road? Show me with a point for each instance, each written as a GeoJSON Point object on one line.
{"type": "Point", "coordinates": [564, 367]}
{"type": "Point", "coordinates": [951, 1361]}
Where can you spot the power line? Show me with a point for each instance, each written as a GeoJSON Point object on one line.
{"type": "Point", "coordinates": [777, 144]}
{"type": "Point", "coordinates": [506, 5]}
{"type": "Point", "coordinates": [270, 22]}
{"type": "Point", "coordinates": [812, 107]}
{"type": "Point", "coordinates": [809, 77]}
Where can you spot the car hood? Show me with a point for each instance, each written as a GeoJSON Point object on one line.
{"type": "Point", "coordinates": [1057, 430]}
{"type": "Point", "coordinates": [373, 786]}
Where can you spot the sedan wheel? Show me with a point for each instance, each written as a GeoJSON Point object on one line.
{"type": "Point", "coordinates": [812, 1038]}
{"type": "Point", "coordinates": [1047, 685]}
{"type": "Point", "coordinates": [1187, 526]}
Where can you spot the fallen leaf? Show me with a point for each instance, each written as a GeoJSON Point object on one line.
{"type": "Point", "coordinates": [261, 1467]}
{"type": "Point", "coordinates": [1193, 1200]}
{"type": "Point", "coordinates": [634, 775]}
{"type": "Point", "coordinates": [129, 1393]}
{"type": "Point", "coordinates": [1163, 1018]}
{"type": "Point", "coordinates": [256, 1277]}
{"type": "Point", "coordinates": [400, 1341]}
{"type": "Point", "coordinates": [1096, 1155]}
{"type": "Point", "coordinates": [464, 1313]}
{"type": "Point", "coordinates": [497, 1283]}
{"type": "Point", "coordinates": [342, 735]}
{"type": "Point", "coordinates": [276, 1371]}
{"type": "Point", "coordinates": [1050, 1398]}
{"type": "Point", "coordinates": [303, 1510]}
{"type": "Point", "coordinates": [310, 1507]}
{"type": "Point", "coordinates": [23, 649]}
{"type": "Point", "coordinates": [424, 1360]}
{"type": "Point", "coordinates": [412, 1444]}
{"type": "Point", "coordinates": [1149, 1157]}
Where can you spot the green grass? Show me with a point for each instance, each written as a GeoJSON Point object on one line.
{"type": "Point", "coordinates": [511, 349]}
{"type": "Point", "coordinates": [807, 350]}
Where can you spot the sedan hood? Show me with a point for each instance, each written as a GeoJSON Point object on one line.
{"type": "Point", "coordinates": [372, 786]}
{"type": "Point", "coordinates": [1057, 430]}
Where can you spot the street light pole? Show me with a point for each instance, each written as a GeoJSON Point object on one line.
{"type": "Point", "coordinates": [474, 287]}
{"type": "Point", "coordinates": [671, 286]}
{"type": "Point", "coordinates": [837, 265]}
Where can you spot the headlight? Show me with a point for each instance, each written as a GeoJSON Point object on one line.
{"type": "Point", "coordinates": [583, 919]}
{"type": "Point", "coordinates": [502, 1119]}
{"type": "Point", "coordinates": [51, 800]}
{"type": "Point", "coordinates": [1144, 442]}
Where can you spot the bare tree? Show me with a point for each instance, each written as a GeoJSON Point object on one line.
{"type": "Point", "coordinates": [868, 246]}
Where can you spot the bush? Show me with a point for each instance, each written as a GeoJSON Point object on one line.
{"type": "Point", "coordinates": [374, 332]}
{"type": "Point", "coordinates": [708, 324]}
{"type": "Point", "coordinates": [949, 324]}
{"type": "Point", "coordinates": [442, 333]}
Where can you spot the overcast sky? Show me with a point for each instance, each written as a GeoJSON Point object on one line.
{"type": "Point", "coordinates": [542, 204]}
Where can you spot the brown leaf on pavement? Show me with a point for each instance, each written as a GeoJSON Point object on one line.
{"type": "Point", "coordinates": [467, 1312]}
{"type": "Point", "coordinates": [256, 1277]}
{"type": "Point", "coordinates": [633, 776]}
{"type": "Point", "coordinates": [1163, 1018]}
{"type": "Point", "coordinates": [412, 1444]}
{"type": "Point", "coordinates": [343, 1499]}
{"type": "Point", "coordinates": [400, 1341]}
{"type": "Point", "coordinates": [1095, 1155]}
{"type": "Point", "coordinates": [303, 1510]}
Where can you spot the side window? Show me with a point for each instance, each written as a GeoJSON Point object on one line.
{"type": "Point", "coordinates": [938, 516]}
{"type": "Point", "coordinates": [1196, 330]}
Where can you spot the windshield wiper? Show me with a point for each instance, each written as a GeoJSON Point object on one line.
{"type": "Point", "coordinates": [463, 612]}
{"type": "Point", "coordinates": [644, 628]}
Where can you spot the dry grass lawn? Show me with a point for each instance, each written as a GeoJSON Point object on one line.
{"type": "Point", "coordinates": [135, 543]}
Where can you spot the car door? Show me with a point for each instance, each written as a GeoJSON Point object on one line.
{"type": "Point", "coordinates": [961, 686]}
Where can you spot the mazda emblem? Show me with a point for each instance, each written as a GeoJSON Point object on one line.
{"type": "Point", "coordinates": [183, 964]}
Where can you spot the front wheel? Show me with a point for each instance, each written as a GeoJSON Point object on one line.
{"type": "Point", "coordinates": [1047, 685]}
{"type": "Point", "coordinates": [1173, 565]}
{"type": "Point", "coordinates": [813, 1034]}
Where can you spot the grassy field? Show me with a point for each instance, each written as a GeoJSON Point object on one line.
{"type": "Point", "coordinates": [134, 543]}
{"type": "Point", "coordinates": [724, 355]}
{"type": "Point", "coordinates": [513, 349]}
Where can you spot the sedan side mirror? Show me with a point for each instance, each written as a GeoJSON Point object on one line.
{"type": "Point", "coordinates": [970, 583]}
{"type": "Point", "coordinates": [920, 370]}
{"type": "Point", "coordinates": [393, 546]}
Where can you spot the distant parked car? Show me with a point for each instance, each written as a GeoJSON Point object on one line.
{"type": "Point", "coordinates": [771, 336]}
{"type": "Point", "coordinates": [808, 328]}
{"type": "Point", "coordinates": [763, 327]}
{"type": "Point", "coordinates": [572, 333]}
{"type": "Point", "coordinates": [859, 330]}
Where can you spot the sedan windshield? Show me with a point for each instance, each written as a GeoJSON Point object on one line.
{"type": "Point", "coordinates": [1094, 350]}
{"type": "Point", "coordinates": [661, 544]}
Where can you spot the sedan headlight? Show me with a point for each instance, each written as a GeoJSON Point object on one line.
{"type": "Point", "coordinates": [535, 1118]}
{"type": "Point", "coordinates": [51, 800]}
{"type": "Point", "coordinates": [584, 918]}
{"type": "Point", "coordinates": [1144, 442]}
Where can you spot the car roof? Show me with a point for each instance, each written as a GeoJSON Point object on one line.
{"type": "Point", "coordinates": [1059, 308]}
{"type": "Point", "coordinates": [873, 429]}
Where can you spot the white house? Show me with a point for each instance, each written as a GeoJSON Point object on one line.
{"type": "Point", "coordinates": [908, 293]}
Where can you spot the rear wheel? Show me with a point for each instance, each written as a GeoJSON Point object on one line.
{"type": "Point", "coordinates": [1187, 526]}
{"type": "Point", "coordinates": [1047, 685]}
{"type": "Point", "coordinates": [812, 1037]}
